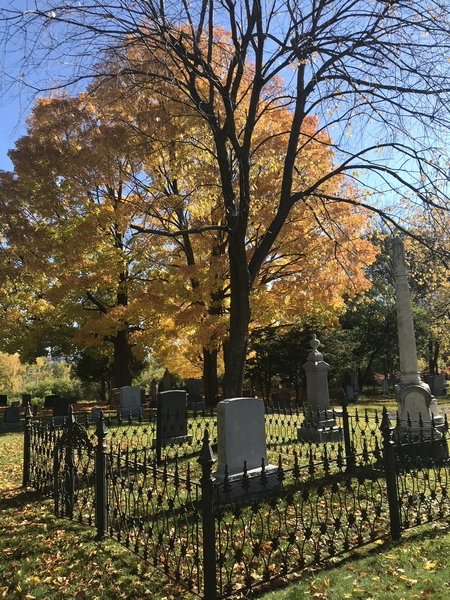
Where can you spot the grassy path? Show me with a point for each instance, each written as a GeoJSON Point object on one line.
{"type": "Point", "coordinates": [42, 557]}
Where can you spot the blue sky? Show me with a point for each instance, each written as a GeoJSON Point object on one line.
{"type": "Point", "coordinates": [12, 126]}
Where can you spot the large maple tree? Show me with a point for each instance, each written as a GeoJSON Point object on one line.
{"type": "Point", "coordinates": [67, 237]}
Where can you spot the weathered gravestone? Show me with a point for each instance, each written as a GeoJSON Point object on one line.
{"type": "Point", "coordinates": [49, 400]}
{"type": "Point", "coordinates": [385, 386]}
{"type": "Point", "coordinates": [143, 396]}
{"type": "Point", "coordinates": [3, 400]}
{"type": "Point", "coordinates": [166, 380]}
{"type": "Point", "coordinates": [154, 392]}
{"type": "Point", "coordinates": [281, 399]}
{"type": "Point", "coordinates": [130, 401]}
{"type": "Point", "coordinates": [26, 399]}
{"type": "Point", "coordinates": [438, 384]}
{"type": "Point", "coordinates": [350, 393]}
{"type": "Point", "coordinates": [15, 403]}
{"type": "Point", "coordinates": [195, 401]}
{"type": "Point", "coordinates": [115, 397]}
{"type": "Point", "coordinates": [173, 417]}
{"type": "Point", "coordinates": [319, 424]}
{"type": "Point", "coordinates": [35, 408]}
{"type": "Point", "coordinates": [241, 438]}
{"type": "Point", "coordinates": [12, 415]}
{"type": "Point", "coordinates": [95, 411]}
{"type": "Point", "coordinates": [60, 409]}
{"type": "Point", "coordinates": [355, 382]}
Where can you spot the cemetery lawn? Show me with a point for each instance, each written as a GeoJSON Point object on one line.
{"type": "Point", "coordinates": [42, 557]}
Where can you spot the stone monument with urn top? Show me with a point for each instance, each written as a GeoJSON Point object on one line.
{"type": "Point", "coordinates": [319, 424]}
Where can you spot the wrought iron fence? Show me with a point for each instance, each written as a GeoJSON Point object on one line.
{"type": "Point", "coordinates": [271, 525]}
{"type": "Point", "coordinates": [156, 514]}
{"type": "Point", "coordinates": [141, 487]}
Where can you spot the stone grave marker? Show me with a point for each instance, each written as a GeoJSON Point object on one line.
{"type": "Point", "coordinates": [414, 397]}
{"type": "Point", "coordinates": [355, 382]}
{"type": "Point", "coordinates": [154, 392]}
{"type": "Point", "coordinates": [12, 415]}
{"type": "Point", "coordinates": [35, 408]}
{"type": "Point", "coordinates": [173, 407]}
{"type": "Point", "coordinates": [26, 399]}
{"type": "Point", "coordinates": [60, 409]}
{"type": "Point", "coordinates": [350, 393]}
{"type": "Point", "coordinates": [385, 386]}
{"type": "Point", "coordinates": [439, 384]}
{"type": "Point", "coordinates": [49, 400]}
{"type": "Point", "coordinates": [241, 437]}
{"type": "Point", "coordinates": [195, 401]}
{"type": "Point", "coordinates": [95, 411]}
{"type": "Point", "coordinates": [166, 380]}
{"type": "Point", "coordinates": [130, 401]}
{"type": "Point", "coordinates": [319, 424]}
{"type": "Point", "coordinates": [143, 396]}
{"type": "Point", "coordinates": [15, 403]}
{"type": "Point", "coordinates": [281, 399]}
{"type": "Point", "coordinates": [115, 397]}
{"type": "Point", "coordinates": [3, 400]}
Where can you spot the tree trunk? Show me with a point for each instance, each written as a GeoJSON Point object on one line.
{"type": "Point", "coordinates": [122, 359]}
{"type": "Point", "coordinates": [433, 356]}
{"type": "Point", "coordinates": [210, 376]}
{"type": "Point", "coordinates": [240, 314]}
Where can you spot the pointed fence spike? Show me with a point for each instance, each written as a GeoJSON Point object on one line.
{"type": "Point", "coordinates": [206, 458]}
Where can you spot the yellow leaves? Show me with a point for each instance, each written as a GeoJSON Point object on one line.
{"type": "Point", "coordinates": [429, 565]}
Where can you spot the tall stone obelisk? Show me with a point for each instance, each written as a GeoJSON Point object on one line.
{"type": "Point", "coordinates": [414, 397]}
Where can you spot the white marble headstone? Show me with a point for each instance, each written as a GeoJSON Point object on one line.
{"type": "Point", "coordinates": [241, 434]}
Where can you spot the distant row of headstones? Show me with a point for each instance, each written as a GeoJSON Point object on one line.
{"type": "Point", "coordinates": [59, 405]}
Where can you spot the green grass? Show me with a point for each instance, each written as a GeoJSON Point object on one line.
{"type": "Point", "coordinates": [43, 557]}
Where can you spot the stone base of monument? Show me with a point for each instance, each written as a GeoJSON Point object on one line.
{"type": "Point", "coordinates": [322, 431]}
{"type": "Point", "coordinates": [238, 491]}
{"type": "Point", "coordinates": [174, 441]}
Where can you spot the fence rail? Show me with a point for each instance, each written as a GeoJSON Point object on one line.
{"type": "Point", "coordinates": [157, 495]}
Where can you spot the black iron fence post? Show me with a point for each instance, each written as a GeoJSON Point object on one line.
{"type": "Point", "coordinates": [349, 457]}
{"type": "Point", "coordinates": [206, 460]}
{"type": "Point", "coordinates": [69, 470]}
{"type": "Point", "coordinates": [391, 477]}
{"type": "Point", "coordinates": [27, 446]}
{"type": "Point", "coordinates": [56, 465]}
{"type": "Point", "coordinates": [101, 494]}
{"type": "Point", "coordinates": [158, 429]}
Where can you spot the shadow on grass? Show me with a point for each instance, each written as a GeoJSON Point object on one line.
{"type": "Point", "coordinates": [371, 551]}
{"type": "Point", "coordinates": [21, 497]}
{"type": "Point", "coordinates": [11, 429]}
